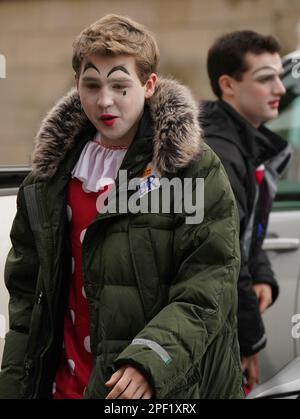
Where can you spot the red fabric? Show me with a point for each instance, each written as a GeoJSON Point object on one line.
{"type": "Point", "coordinates": [76, 363]}
{"type": "Point", "coordinates": [260, 174]}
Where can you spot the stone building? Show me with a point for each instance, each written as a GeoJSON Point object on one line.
{"type": "Point", "coordinates": [36, 40]}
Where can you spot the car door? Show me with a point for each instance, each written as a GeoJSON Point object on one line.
{"type": "Point", "coordinates": [283, 238]}
{"type": "Point", "coordinates": [10, 179]}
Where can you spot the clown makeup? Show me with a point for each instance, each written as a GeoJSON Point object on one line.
{"type": "Point", "coordinates": [119, 82]}
{"type": "Point", "coordinates": [118, 67]}
{"type": "Point", "coordinates": [257, 95]}
{"type": "Point", "coordinates": [267, 73]}
{"type": "Point", "coordinates": [113, 96]}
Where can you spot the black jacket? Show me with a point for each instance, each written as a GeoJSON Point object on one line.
{"type": "Point", "coordinates": [242, 149]}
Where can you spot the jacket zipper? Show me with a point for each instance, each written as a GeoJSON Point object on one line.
{"type": "Point", "coordinates": [40, 216]}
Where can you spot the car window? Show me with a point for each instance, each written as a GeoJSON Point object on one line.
{"type": "Point", "coordinates": [11, 178]}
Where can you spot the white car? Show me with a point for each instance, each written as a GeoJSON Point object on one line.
{"type": "Point", "coordinates": [284, 385]}
{"type": "Point", "coordinates": [10, 178]}
{"type": "Point", "coordinates": [282, 321]}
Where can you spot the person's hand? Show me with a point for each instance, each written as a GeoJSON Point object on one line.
{"type": "Point", "coordinates": [264, 296]}
{"type": "Point", "coordinates": [129, 383]}
{"type": "Point", "coordinates": [251, 369]}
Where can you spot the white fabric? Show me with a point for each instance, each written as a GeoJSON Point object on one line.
{"type": "Point", "coordinates": [98, 165]}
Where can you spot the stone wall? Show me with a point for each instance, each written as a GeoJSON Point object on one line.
{"type": "Point", "coordinates": [36, 39]}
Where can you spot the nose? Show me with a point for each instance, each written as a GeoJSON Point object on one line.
{"type": "Point", "coordinates": [105, 99]}
{"type": "Point", "coordinates": [279, 88]}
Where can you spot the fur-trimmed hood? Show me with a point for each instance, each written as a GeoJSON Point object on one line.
{"type": "Point", "coordinates": [177, 134]}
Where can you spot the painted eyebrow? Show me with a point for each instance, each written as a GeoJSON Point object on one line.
{"type": "Point", "coordinates": [90, 79]}
{"type": "Point", "coordinates": [118, 67]}
{"type": "Point", "coordinates": [267, 68]}
{"type": "Point", "coordinates": [90, 65]}
{"type": "Point", "coordinates": [120, 80]}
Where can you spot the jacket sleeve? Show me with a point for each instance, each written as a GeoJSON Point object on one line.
{"type": "Point", "coordinates": [262, 273]}
{"type": "Point", "coordinates": [202, 294]}
{"type": "Point", "coordinates": [20, 278]}
{"type": "Point", "coordinates": [251, 331]}
{"type": "Point", "coordinates": [252, 337]}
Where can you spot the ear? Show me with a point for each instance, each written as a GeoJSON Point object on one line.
{"type": "Point", "coordinates": [226, 84]}
{"type": "Point", "coordinates": [150, 86]}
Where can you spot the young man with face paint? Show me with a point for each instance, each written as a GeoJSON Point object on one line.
{"type": "Point", "coordinates": [245, 70]}
{"type": "Point", "coordinates": [121, 305]}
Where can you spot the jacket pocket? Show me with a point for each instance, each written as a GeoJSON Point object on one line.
{"type": "Point", "coordinates": [15, 349]}
{"type": "Point", "coordinates": [12, 374]}
{"type": "Point", "coordinates": [96, 387]}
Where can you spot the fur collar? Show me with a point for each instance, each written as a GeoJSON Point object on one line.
{"type": "Point", "coordinates": [177, 134]}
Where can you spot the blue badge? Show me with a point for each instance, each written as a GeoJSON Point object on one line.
{"type": "Point", "coordinates": [260, 230]}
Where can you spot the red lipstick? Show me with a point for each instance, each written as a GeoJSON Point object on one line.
{"type": "Point", "coordinates": [108, 119]}
{"type": "Point", "coordinates": [275, 104]}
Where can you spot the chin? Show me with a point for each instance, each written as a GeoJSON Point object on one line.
{"type": "Point", "coordinates": [273, 115]}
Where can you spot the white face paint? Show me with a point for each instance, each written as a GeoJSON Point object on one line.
{"type": "Point", "coordinates": [257, 96]}
{"type": "Point", "coordinates": [113, 96]}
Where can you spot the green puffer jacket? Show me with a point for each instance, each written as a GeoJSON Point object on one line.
{"type": "Point", "coordinates": [161, 292]}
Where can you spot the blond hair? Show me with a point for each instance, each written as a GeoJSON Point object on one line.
{"type": "Point", "coordinates": [117, 35]}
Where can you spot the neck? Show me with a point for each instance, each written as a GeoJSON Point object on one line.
{"type": "Point", "coordinates": [255, 124]}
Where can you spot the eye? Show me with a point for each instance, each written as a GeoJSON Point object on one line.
{"type": "Point", "coordinates": [118, 86]}
{"type": "Point", "coordinates": [266, 79]}
{"type": "Point", "coordinates": [92, 86]}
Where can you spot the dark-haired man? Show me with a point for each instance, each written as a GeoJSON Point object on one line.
{"type": "Point", "coordinates": [245, 70]}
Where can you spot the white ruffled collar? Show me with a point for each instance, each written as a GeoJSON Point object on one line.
{"type": "Point", "coordinates": [98, 164]}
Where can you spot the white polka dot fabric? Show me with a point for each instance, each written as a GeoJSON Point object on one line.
{"type": "Point", "coordinates": [84, 201]}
